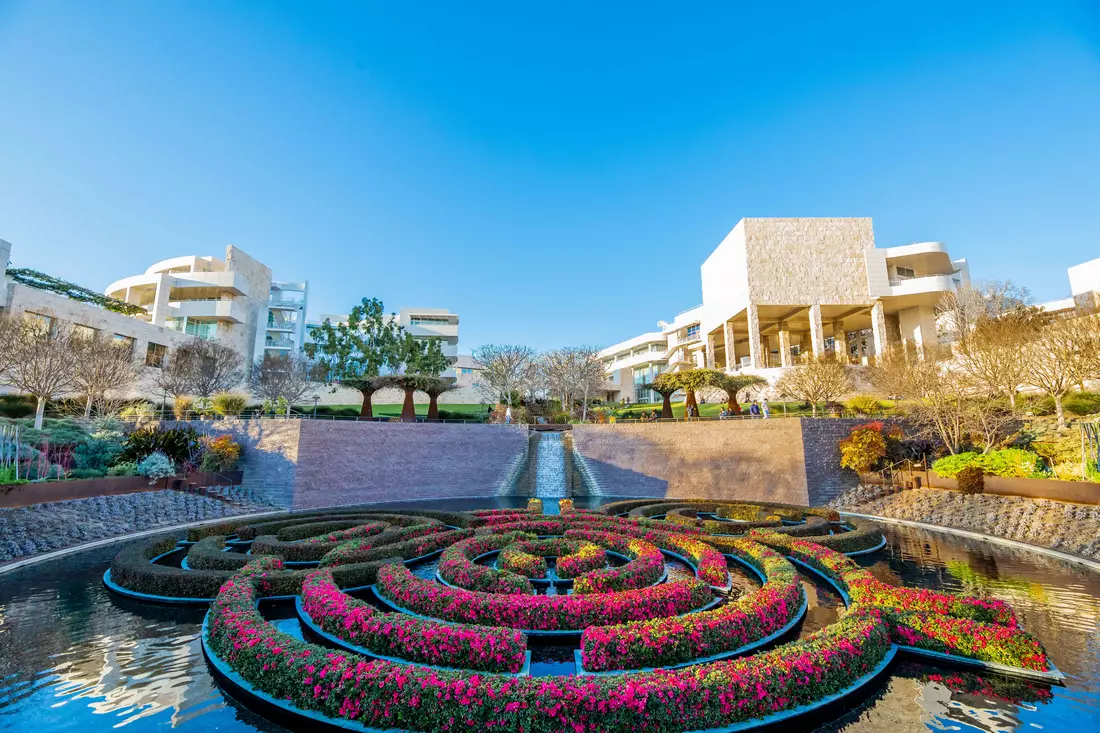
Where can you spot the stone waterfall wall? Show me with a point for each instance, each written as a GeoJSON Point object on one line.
{"type": "Point", "coordinates": [786, 460]}
{"type": "Point", "coordinates": [314, 463]}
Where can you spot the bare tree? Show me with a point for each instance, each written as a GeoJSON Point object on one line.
{"type": "Point", "coordinates": [289, 377]}
{"type": "Point", "coordinates": [43, 362]}
{"type": "Point", "coordinates": [507, 370]}
{"type": "Point", "coordinates": [9, 333]}
{"type": "Point", "coordinates": [994, 353]}
{"type": "Point", "coordinates": [105, 370]}
{"type": "Point", "coordinates": [572, 373]}
{"type": "Point", "coordinates": [1060, 358]}
{"type": "Point", "coordinates": [942, 400]}
{"type": "Point", "coordinates": [174, 374]}
{"type": "Point", "coordinates": [821, 379]}
{"type": "Point", "coordinates": [959, 312]}
{"type": "Point", "coordinates": [215, 367]}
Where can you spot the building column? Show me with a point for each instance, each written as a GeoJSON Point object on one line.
{"type": "Point", "coordinates": [756, 351]}
{"type": "Point", "coordinates": [840, 341]}
{"type": "Point", "coordinates": [784, 345]}
{"type": "Point", "coordinates": [710, 351]}
{"type": "Point", "coordinates": [878, 328]}
{"type": "Point", "coordinates": [731, 348]}
{"type": "Point", "coordinates": [160, 301]}
{"type": "Point", "coordinates": [817, 332]}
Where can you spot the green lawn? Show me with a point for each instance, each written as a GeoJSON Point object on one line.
{"type": "Point", "coordinates": [392, 410]}
{"type": "Point", "coordinates": [709, 409]}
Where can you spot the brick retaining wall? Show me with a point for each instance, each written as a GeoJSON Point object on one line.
{"type": "Point", "coordinates": [738, 459]}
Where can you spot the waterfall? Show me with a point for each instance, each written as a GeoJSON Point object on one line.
{"type": "Point", "coordinates": [550, 467]}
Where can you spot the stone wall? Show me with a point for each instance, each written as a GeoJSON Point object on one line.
{"type": "Point", "coordinates": [315, 463]}
{"type": "Point", "coordinates": [740, 459]}
{"type": "Point", "coordinates": [824, 476]}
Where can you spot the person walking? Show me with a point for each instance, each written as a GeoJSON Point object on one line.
{"type": "Point", "coordinates": [508, 416]}
{"type": "Point", "coordinates": [754, 409]}
{"type": "Point", "coordinates": [766, 409]}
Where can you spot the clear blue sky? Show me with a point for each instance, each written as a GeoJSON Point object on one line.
{"type": "Point", "coordinates": [554, 172]}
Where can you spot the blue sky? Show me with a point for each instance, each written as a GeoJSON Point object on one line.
{"type": "Point", "coordinates": [554, 172]}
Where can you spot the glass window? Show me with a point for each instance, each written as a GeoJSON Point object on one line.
{"type": "Point", "coordinates": [83, 332]}
{"type": "Point", "coordinates": [693, 331]}
{"type": "Point", "coordinates": [38, 322]}
{"type": "Point", "coordinates": [154, 355]}
{"type": "Point", "coordinates": [467, 370]}
{"type": "Point", "coordinates": [124, 342]}
{"type": "Point", "coordinates": [906, 272]}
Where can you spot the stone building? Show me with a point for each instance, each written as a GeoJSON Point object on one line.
{"type": "Point", "coordinates": [777, 290]}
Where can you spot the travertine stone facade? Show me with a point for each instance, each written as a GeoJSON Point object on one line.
{"type": "Point", "coordinates": [807, 260]}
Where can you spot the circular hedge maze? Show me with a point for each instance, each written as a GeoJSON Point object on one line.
{"type": "Point", "coordinates": [385, 647]}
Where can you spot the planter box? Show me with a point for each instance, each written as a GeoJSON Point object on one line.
{"type": "Point", "coordinates": [20, 495]}
{"type": "Point", "coordinates": [1078, 492]}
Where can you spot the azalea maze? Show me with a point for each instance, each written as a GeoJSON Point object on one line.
{"type": "Point", "coordinates": [424, 621]}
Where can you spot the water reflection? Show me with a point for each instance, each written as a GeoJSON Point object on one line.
{"type": "Point", "coordinates": [74, 658]}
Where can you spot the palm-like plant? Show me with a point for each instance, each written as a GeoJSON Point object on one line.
{"type": "Point", "coordinates": [665, 385]}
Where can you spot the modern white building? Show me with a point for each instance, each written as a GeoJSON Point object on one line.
{"type": "Point", "coordinates": [233, 300]}
{"type": "Point", "coordinates": [1084, 288]}
{"type": "Point", "coordinates": [775, 290]}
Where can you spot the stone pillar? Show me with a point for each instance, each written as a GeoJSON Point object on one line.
{"type": "Point", "coordinates": [756, 350]}
{"type": "Point", "coordinates": [710, 351]}
{"type": "Point", "coordinates": [878, 328]}
{"type": "Point", "coordinates": [840, 341]}
{"type": "Point", "coordinates": [160, 301]}
{"type": "Point", "coordinates": [731, 347]}
{"type": "Point", "coordinates": [784, 345]}
{"type": "Point", "coordinates": [817, 332]}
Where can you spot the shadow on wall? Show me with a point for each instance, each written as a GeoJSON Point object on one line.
{"type": "Point", "coordinates": [760, 460]}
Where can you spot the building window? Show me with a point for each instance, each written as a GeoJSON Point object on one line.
{"type": "Point", "coordinates": [83, 332]}
{"type": "Point", "coordinates": [38, 322]}
{"type": "Point", "coordinates": [692, 332]}
{"type": "Point", "coordinates": [906, 273]}
{"type": "Point", "coordinates": [428, 321]}
{"type": "Point", "coordinates": [154, 355]}
{"type": "Point", "coordinates": [124, 342]}
{"type": "Point", "coordinates": [467, 370]}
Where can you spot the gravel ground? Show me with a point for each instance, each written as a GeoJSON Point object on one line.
{"type": "Point", "coordinates": [44, 527]}
{"type": "Point", "coordinates": [1072, 528]}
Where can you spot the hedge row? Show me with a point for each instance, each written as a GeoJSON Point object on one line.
{"type": "Point", "coordinates": [365, 550]}
{"type": "Point", "coordinates": [645, 567]}
{"type": "Point", "coordinates": [209, 554]}
{"type": "Point", "coordinates": [405, 637]}
{"type": "Point", "coordinates": [385, 695]}
{"type": "Point", "coordinates": [661, 642]}
{"type": "Point", "coordinates": [457, 566]}
{"type": "Point", "coordinates": [312, 551]}
{"type": "Point", "coordinates": [133, 570]}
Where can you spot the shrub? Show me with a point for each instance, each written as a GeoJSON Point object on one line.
{"type": "Point", "coordinates": [7, 477]}
{"type": "Point", "coordinates": [222, 454]}
{"type": "Point", "coordinates": [138, 409]}
{"type": "Point", "coordinates": [863, 449]}
{"type": "Point", "coordinates": [180, 444]}
{"type": "Point", "coordinates": [971, 480]}
{"type": "Point", "coordinates": [1011, 462]}
{"type": "Point", "coordinates": [126, 468]}
{"type": "Point", "coordinates": [15, 406]}
{"type": "Point", "coordinates": [156, 466]}
{"type": "Point", "coordinates": [78, 473]}
{"type": "Point", "coordinates": [228, 404]}
{"type": "Point", "coordinates": [96, 453]}
{"type": "Point", "coordinates": [181, 406]}
{"type": "Point", "coordinates": [1082, 403]}
{"type": "Point", "coordinates": [863, 405]}
{"type": "Point", "coordinates": [949, 466]}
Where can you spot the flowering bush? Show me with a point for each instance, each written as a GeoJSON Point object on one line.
{"type": "Point", "coordinates": [405, 637]}
{"type": "Point", "coordinates": [544, 613]}
{"type": "Point", "coordinates": [386, 695]}
{"type": "Point", "coordinates": [565, 505]}
{"type": "Point", "coordinates": [221, 454]}
{"type": "Point", "coordinates": [405, 543]}
{"type": "Point", "coordinates": [522, 563]}
{"type": "Point", "coordinates": [973, 639]}
{"type": "Point", "coordinates": [363, 530]}
{"type": "Point", "coordinates": [456, 566]}
{"type": "Point", "coordinates": [658, 642]}
{"type": "Point", "coordinates": [583, 557]}
{"type": "Point", "coordinates": [646, 565]}
{"type": "Point", "coordinates": [534, 505]}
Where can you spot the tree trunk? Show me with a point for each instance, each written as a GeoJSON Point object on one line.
{"type": "Point", "coordinates": [433, 406]}
{"type": "Point", "coordinates": [689, 401]}
{"type": "Point", "coordinates": [88, 408]}
{"type": "Point", "coordinates": [666, 407]}
{"type": "Point", "coordinates": [39, 413]}
{"type": "Point", "coordinates": [368, 408]}
{"type": "Point", "coordinates": [1058, 410]}
{"type": "Point", "coordinates": [584, 405]}
{"type": "Point", "coordinates": [408, 409]}
{"type": "Point", "coordinates": [1012, 398]}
